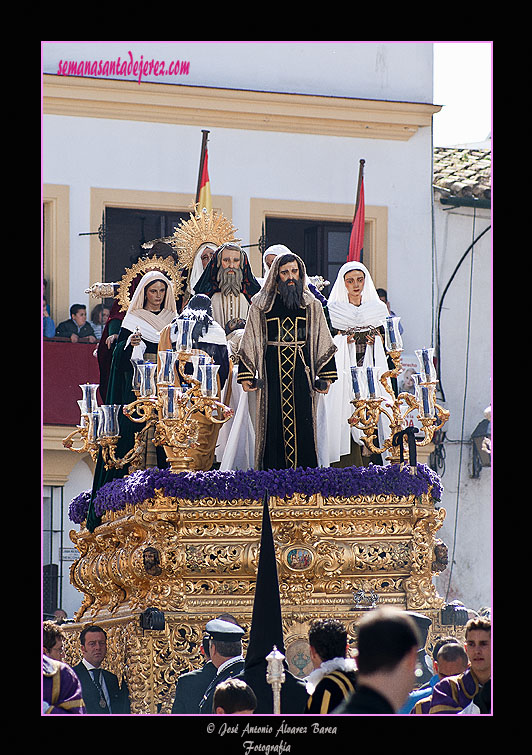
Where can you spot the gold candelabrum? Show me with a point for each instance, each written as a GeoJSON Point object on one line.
{"type": "Point", "coordinates": [168, 408]}
{"type": "Point", "coordinates": [375, 397]}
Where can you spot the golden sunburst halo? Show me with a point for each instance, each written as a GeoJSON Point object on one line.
{"type": "Point", "coordinates": [203, 226]}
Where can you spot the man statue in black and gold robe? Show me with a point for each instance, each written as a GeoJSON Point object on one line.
{"type": "Point", "coordinates": [287, 355]}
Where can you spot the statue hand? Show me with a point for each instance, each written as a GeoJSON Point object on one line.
{"type": "Point", "coordinates": [248, 386]}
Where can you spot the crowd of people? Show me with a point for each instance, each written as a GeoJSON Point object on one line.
{"type": "Point", "coordinates": [376, 676]}
{"type": "Point", "coordinates": [77, 328]}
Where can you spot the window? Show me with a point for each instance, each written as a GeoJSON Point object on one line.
{"type": "Point", "coordinates": [322, 246]}
{"type": "Point", "coordinates": [52, 534]}
{"type": "Point", "coordinates": [127, 229]}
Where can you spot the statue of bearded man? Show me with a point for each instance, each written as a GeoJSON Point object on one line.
{"type": "Point", "coordinates": [287, 355]}
{"type": "Point", "coordinates": [229, 282]}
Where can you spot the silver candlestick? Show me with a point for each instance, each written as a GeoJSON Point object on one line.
{"type": "Point", "coordinates": [275, 676]}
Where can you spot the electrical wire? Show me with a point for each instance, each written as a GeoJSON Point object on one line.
{"type": "Point", "coordinates": [438, 319]}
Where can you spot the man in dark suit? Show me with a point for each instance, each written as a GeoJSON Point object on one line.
{"type": "Point", "coordinates": [225, 650]}
{"type": "Point", "coordinates": [191, 685]}
{"type": "Point", "coordinates": [102, 693]}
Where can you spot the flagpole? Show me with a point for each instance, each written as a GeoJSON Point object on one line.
{"type": "Point", "coordinates": [202, 161]}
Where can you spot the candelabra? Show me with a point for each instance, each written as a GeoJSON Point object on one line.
{"type": "Point", "coordinates": [168, 408]}
{"type": "Point", "coordinates": [87, 429]}
{"type": "Point", "coordinates": [370, 403]}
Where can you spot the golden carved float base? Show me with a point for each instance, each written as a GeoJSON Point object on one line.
{"type": "Point", "coordinates": [196, 559]}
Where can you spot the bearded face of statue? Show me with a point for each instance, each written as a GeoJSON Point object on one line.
{"type": "Point", "coordinates": [230, 272]}
{"type": "Point", "coordinates": [290, 285]}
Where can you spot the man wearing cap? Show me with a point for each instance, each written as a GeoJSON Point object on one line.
{"type": "Point", "coordinates": [191, 685]}
{"type": "Point", "coordinates": [225, 650]}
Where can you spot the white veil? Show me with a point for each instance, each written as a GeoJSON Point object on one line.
{"type": "Point", "coordinates": [149, 324]}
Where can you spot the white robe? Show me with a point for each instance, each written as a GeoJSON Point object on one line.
{"type": "Point", "coordinates": [225, 308]}
{"type": "Point", "coordinates": [335, 407]}
{"type": "Point", "coordinates": [236, 439]}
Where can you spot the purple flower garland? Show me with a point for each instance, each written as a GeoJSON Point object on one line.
{"type": "Point", "coordinates": [348, 482]}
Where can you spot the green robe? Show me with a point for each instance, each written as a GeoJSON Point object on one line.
{"type": "Point", "coordinates": [119, 391]}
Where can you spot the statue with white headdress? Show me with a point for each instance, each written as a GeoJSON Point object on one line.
{"type": "Point", "coordinates": [357, 315]}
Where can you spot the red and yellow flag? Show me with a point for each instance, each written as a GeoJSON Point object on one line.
{"type": "Point", "coordinates": [356, 240]}
{"type": "Point", "coordinates": [203, 193]}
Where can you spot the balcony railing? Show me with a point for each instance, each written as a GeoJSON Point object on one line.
{"type": "Point", "coordinates": [65, 366]}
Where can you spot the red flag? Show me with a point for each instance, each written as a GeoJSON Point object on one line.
{"type": "Point", "coordinates": [356, 240]}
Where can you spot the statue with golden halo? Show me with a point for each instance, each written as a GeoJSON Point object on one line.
{"type": "Point", "coordinates": [122, 293]}
{"type": "Point", "coordinates": [195, 240]}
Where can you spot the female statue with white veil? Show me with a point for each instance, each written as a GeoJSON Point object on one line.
{"type": "Point", "coordinates": [151, 308]}
{"type": "Point", "coordinates": [358, 316]}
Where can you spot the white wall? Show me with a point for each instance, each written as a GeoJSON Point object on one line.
{"type": "Point", "coordinates": [399, 71]}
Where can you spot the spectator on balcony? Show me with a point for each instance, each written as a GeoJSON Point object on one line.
{"type": "Point", "coordinates": [99, 316]}
{"type": "Point", "coordinates": [48, 325]}
{"type": "Point", "coordinates": [44, 287]}
{"type": "Point", "coordinates": [77, 327]}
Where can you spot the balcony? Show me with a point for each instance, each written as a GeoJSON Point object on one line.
{"type": "Point", "coordinates": [65, 365]}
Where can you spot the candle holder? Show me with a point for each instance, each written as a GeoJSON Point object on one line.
{"type": "Point", "coordinates": [168, 403]}
{"type": "Point", "coordinates": [275, 676]}
{"type": "Point", "coordinates": [369, 407]}
{"type": "Point", "coordinates": [87, 430]}
{"type": "Point", "coordinates": [178, 407]}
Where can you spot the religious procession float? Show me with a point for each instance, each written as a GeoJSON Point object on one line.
{"type": "Point", "coordinates": [164, 550]}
